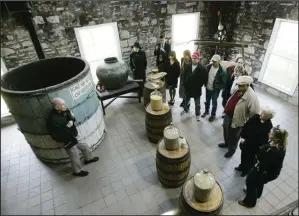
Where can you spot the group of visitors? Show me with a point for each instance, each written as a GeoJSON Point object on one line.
{"type": "Point", "coordinates": [263, 146]}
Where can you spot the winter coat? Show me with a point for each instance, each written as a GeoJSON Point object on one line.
{"type": "Point", "coordinates": [226, 91]}
{"type": "Point", "coordinates": [220, 78]}
{"type": "Point", "coordinates": [194, 80]}
{"type": "Point", "coordinates": [247, 106]}
{"type": "Point", "coordinates": [56, 124]}
{"type": "Point", "coordinates": [255, 133]}
{"type": "Point", "coordinates": [270, 161]}
{"type": "Point", "coordinates": [181, 88]}
{"type": "Point", "coordinates": [162, 60]}
{"type": "Point", "coordinates": [138, 64]}
{"type": "Point", "coordinates": [173, 74]}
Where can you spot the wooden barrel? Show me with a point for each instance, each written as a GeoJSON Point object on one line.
{"type": "Point", "coordinates": [155, 122]}
{"type": "Point", "coordinates": [173, 166]}
{"type": "Point", "coordinates": [28, 91]}
{"type": "Point", "coordinates": [149, 87]}
{"type": "Point", "coordinates": [190, 207]}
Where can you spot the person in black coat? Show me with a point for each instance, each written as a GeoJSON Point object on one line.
{"type": "Point", "coordinates": [194, 77]}
{"type": "Point", "coordinates": [172, 76]}
{"type": "Point", "coordinates": [254, 134]}
{"type": "Point", "coordinates": [186, 59]}
{"type": "Point", "coordinates": [138, 62]}
{"type": "Point", "coordinates": [269, 164]}
{"type": "Point", "coordinates": [162, 51]}
{"type": "Point", "coordinates": [62, 128]}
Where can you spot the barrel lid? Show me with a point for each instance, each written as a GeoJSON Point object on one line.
{"type": "Point", "coordinates": [212, 205]}
{"type": "Point", "coordinates": [160, 112]}
{"type": "Point", "coordinates": [154, 84]}
{"type": "Point", "coordinates": [175, 154]}
{"type": "Point", "coordinates": [204, 180]}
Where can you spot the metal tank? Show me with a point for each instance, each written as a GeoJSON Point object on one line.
{"type": "Point", "coordinates": [28, 91]}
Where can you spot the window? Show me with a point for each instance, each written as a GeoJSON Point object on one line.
{"type": "Point", "coordinates": [280, 66]}
{"type": "Point", "coordinates": [4, 108]}
{"type": "Point", "coordinates": [184, 28]}
{"type": "Point", "coordinates": [98, 42]}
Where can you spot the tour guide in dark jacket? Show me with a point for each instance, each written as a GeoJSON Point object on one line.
{"type": "Point", "coordinates": [59, 131]}
{"type": "Point", "coordinates": [194, 77]}
{"type": "Point", "coordinates": [61, 128]}
{"type": "Point", "coordinates": [217, 78]}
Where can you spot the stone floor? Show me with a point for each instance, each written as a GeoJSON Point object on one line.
{"type": "Point", "coordinates": [124, 181]}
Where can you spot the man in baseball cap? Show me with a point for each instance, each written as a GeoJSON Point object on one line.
{"type": "Point", "coordinates": [194, 78]}
{"type": "Point", "coordinates": [216, 82]}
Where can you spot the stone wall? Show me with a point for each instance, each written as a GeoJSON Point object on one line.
{"type": "Point", "coordinates": [16, 45]}
{"type": "Point", "coordinates": [255, 21]}
{"type": "Point", "coordinates": [137, 21]}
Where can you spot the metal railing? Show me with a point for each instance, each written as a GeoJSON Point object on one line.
{"type": "Point", "coordinates": [290, 209]}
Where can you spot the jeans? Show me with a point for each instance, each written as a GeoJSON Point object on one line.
{"type": "Point", "coordinates": [197, 104]}
{"type": "Point", "coordinates": [231, 135]}
{"type": "Point", "coordinates": [75, 157]}
{"type": "Point", "coordinates": [211, 95]}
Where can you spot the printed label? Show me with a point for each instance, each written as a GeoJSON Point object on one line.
{"type": "Point", "coordinates": [80, 88]}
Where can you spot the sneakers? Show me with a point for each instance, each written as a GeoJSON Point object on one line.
{"type": "Point", "coordinates": [222, 145]}
{"type": "Point", "coordinates": [184, 112]}
{"type": "Point", "coordinates": [204, 114]}
{"type": "Point", "coordinates": [95, 159]}
{"type": "Point", "coordinates": [212, 118]}
{"type": "Point", "coordinates": [82, 173]}
{"type": "Point", "coordinates": [197, 118]}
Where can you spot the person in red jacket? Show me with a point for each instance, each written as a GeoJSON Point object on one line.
{"type": "Point", "coordinates": [194, 77]}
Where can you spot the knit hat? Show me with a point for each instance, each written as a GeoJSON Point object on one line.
{"type": "Point", "coordinates": [196, 55]}
{"type": "Point", "coordinates": [244, 80]}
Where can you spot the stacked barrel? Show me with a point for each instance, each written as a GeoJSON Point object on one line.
{"type": "Point", "coordinates": [200, 194]}
{"type": "Point", "coordinates": [28, 91]}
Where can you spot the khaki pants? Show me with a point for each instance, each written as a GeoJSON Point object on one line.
{"type": "Point", "coordinates": [75, 157]}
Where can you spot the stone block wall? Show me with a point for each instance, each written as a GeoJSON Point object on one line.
{"type": "Point", "coordinates": [254, 24]}
{"type": "Point", "coordinates": [16, 45]}
{"type": "Point", "coordinates": [137, 21]}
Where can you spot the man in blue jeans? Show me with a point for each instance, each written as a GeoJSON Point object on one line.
{"type": "Point", "coordinates": [216, 82]}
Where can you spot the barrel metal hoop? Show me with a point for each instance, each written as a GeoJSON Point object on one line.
{"type": "Point", "coordinates": [42, 134]}
{"type": "Point", "coordinates": [43, 117]}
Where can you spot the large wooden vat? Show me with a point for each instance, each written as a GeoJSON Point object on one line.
{"type": "Point", "coordinates": [155, 122]}
{"type": "Point", "coordinates": [190, 207]}
{"type": "Point", "coordinates": [173, 166]}
{"type": "Point", "coordinates": [28, 91]}
{"type": "Point", "coordinates": [149, 87]}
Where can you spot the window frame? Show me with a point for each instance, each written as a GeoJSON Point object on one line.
{"type": "Point", "coordinates": [269, 51]}
{"type": "Point", "coordinates": [179, 43]}
{"type": "Point", "coordinates": [115, 33]}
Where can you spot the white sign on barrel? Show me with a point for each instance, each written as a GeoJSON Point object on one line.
{"type": "Point", "coordinates": [80, 88]}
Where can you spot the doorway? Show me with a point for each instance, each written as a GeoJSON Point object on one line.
{"type": "Point", "coordinates": [185, 27]}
